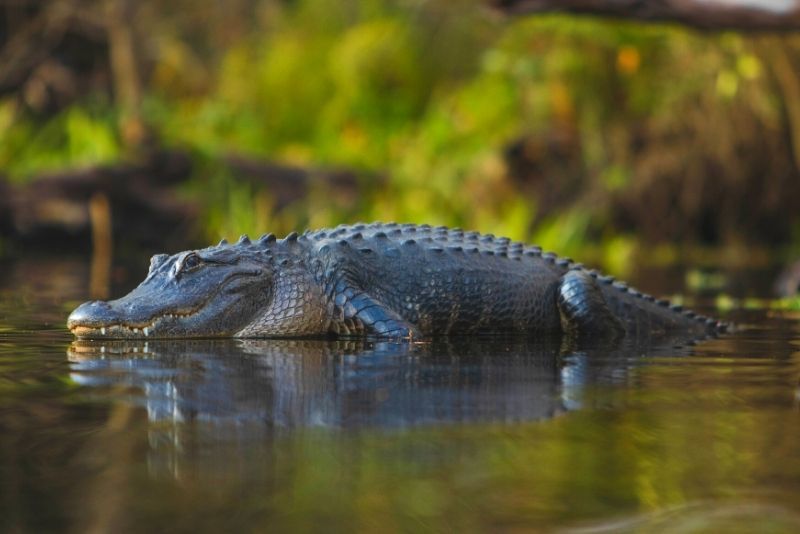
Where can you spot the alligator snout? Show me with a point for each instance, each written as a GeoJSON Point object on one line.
{"type": "Point", "coordinates": [92, 314]}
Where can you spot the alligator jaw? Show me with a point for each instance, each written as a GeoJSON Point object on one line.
{"type": "Point", "coordinates": [112, 331]}
{"type": "Point", "coordinates": [115, 331]}
{"type": "Point", "coordinates": [82, 330]}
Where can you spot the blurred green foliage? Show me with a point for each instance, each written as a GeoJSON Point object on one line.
{"type": "Point", "coordinates": [80, 135]}
{"type": "Point", "coordinates": [426, 94]}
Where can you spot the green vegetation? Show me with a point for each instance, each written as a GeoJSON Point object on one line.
{"type": "Point", "coordinates": [430, 96]}
{"type": "Point", "coordinates": [80, 135]}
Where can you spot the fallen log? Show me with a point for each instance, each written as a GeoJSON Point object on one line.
{"type": "Point", "coordinates": [56, 210]}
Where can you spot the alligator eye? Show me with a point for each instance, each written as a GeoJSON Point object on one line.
{"type": "Point", "coordinates": [191, 262]}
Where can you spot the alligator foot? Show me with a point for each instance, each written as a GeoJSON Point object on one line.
{"type": "Point", "coordinates": [377, 320]}
{"type": "Point", "coordinates": [584, 311]}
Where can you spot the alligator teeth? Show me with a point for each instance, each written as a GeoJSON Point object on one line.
{"type": "Point", "coordinates": [144, 330]}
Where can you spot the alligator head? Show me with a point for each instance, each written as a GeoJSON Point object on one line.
{"type": "Point", "coordinates": [214, 292]}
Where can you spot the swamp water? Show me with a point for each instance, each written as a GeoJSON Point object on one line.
{"type": "Point", "coordinates": [489, 435]}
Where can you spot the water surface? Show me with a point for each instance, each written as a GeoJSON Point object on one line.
{"type": "Point", "coordinates": [468, 435]}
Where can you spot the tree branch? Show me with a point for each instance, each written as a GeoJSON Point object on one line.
{"type": "Point", "coordinates": [746, 15]}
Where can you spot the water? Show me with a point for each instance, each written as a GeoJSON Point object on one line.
{"type": "Point", "coordinates": [491, 435]}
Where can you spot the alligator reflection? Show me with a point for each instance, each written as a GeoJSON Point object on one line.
{"type": "Point", "coordinates": [289, 384]}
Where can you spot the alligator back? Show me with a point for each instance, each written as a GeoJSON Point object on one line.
{"type": "Point", "coordinates": [445, 281]}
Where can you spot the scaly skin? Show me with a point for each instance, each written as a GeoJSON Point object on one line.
{"type": "Point", "coordinates": [382, 280]}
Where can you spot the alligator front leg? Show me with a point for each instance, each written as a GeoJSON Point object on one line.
{"type": "Point", "coordinates": [583, 309]}
{"type": "Point", "coordinates": [362, 314]}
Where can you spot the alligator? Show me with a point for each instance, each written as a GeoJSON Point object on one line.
{"type": "Point", "coordinates": [382, 280]}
